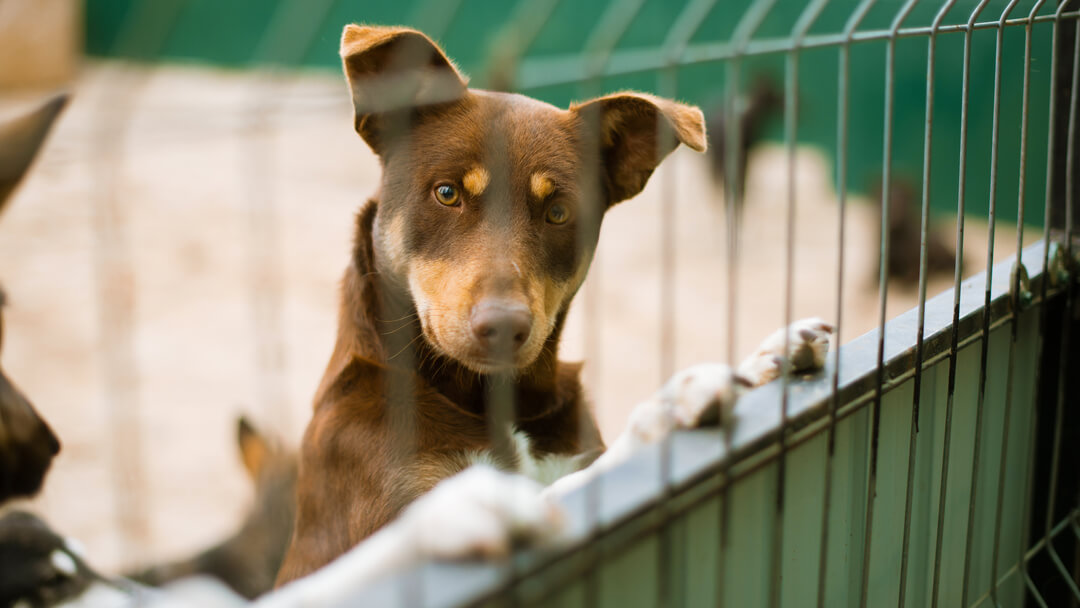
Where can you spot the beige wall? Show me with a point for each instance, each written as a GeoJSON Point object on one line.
{"type": "Point", "coordinates": [40, 42]}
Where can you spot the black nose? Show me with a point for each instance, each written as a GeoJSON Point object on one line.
{"type": "Point", "coordinates": [501, 326]}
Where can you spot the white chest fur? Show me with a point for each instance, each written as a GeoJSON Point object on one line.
{"type": "Point", "coordinates": [544, 469]}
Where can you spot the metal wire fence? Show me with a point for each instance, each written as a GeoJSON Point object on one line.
{"type": "Point", "coordinates": [933, 462]}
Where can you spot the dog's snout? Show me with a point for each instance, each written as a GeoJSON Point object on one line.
{"type": "Point", "coordinates": [501, 326]}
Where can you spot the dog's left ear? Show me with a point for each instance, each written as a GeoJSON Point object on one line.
{"type": "Point", "coordinates": [393, 71]}
{"type": "Point", "coordinates": [20, 140]}
{"type": "Point", "coordinates": [636, 131]}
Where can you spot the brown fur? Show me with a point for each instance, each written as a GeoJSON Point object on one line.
{"type": "Point", "coordinates": [27, 444]}
{"type": "Point", "coordinates": [411, 391]}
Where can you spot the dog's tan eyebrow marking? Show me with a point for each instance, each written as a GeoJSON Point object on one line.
{"type": "Point", "coordinates": [476, 180]}
{"type": "Point", "coordinates": [541, 185]}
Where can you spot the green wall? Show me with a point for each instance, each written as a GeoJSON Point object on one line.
{"type": "Point", "coordinates": [235, 33]}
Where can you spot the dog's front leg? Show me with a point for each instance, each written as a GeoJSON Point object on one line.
{"type": "Point", "coordinates": [479, 512]}
{"type": "Point", "coordinates": [706, 394]}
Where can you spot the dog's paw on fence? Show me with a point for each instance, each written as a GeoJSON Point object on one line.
{"type": "Point", "coordinates": [807, 343]}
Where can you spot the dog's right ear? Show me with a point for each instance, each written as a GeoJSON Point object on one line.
{"type": "Point", "coordinates": [392, 71]}
{"type": "Point", "coordinates": [19, 143]}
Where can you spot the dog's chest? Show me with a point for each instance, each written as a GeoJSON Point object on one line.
{"type": "Point", "coordinates": [543, 469]}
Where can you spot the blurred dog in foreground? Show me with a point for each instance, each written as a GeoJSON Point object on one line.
{"type": "Point", "coordinates": [27, 444]}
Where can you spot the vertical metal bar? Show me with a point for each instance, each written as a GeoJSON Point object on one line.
{"type": "Point", "coordinates": [293, 27]}
{"type": "Point", "coordinates": [924, 226]}
{"type": "Point", "coordinates": [883, 290]}
{"type": "Point", "coordinates": [116, 313]}
{"type": "Point", "coordinates": [143, 33]}
{"type": "Point", "coordinates": [598, 48]}
{"type": "Point", "coordinates": [1055, 463]}
{"type": "Point", "coordinates": [953, 345]}
{"type": "Point", "coordinates": [1049, 196]}
{"type": "Point", "coordinates": [843, 80]}
{"type": "Point", "coordinates": [512, 42]}
{"type": "Point", "coordinates": [985, 347]}
{"type": "Point", "coordinates": [1015, 321]}
{"type": "Point", "coordinates": [744, 31]}
{"type": "Point", "coordinates": [684, 28]}
{"type": "Point", "coordinates": [791, 134]}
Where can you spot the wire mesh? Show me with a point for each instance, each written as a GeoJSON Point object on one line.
{"type": "Point", "coordinates": [943, 462]}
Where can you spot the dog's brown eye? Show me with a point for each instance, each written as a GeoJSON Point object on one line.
{"type": "Point", "coordinates": [557, 214]}
{"type": "Point", "coordinates": [447, 195]}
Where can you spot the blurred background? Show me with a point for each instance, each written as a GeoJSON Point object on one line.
{"type": "Point", "coordinates": [173, 259]}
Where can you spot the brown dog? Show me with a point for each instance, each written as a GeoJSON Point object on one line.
{"type": "Point", "coordinates": [27, 444]}
{"type": "Point", "coordinates": [463, 270]}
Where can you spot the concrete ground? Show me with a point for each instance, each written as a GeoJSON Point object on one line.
{"type": "Point", "coordinates": [173, 261]}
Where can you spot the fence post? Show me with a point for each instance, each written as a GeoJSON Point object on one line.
{"type": "Point", "coordinates": [1062, 99]}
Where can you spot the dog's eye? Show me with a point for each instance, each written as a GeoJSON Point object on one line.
{"type": "Point", "coordinates": [447, 195]}
{"type": "Point", "coordinates": [557, 214]}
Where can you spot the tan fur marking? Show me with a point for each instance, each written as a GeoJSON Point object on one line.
{"type": "Point", "coordinates": [476, 180]}
{"type": "Point", "coordinates": [445, 291]}
{"type": "Point", "coordinates": [541, 185]}
{"type": "Point", "coordinates": [441, 292]}
{"type": "Point", "coordinates": [391, 250]}
{"type": "Point", "coordinates": [557, 294]}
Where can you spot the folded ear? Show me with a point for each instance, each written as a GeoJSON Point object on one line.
{"type": "Point", "coordinates": [20, 140]}
{"type": "Point", "coordinates": [636, 132]}
{"type": "Point", "coordinates": [394, 69]}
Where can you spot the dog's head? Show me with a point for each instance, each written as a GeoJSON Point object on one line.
{"type": "Point", "coordinates": [27, 444]}
{"type": "Point", "coordinates": [490, 203]}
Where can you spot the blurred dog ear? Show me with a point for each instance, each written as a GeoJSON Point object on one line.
{"type": "Point", "coordinates": [391, 70]}
{"type": "Point", "coordinates": [635, 132]}
{"type": "Point", "coordinates": [254, 448]}
{"type": "Point", "coordinates": [20, 140]}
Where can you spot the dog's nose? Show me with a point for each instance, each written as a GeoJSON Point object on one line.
{"type": "Point", "coordinates": [501, 326]}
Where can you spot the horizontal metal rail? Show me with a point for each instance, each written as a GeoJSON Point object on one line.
{"type": "Point", "coordinates": [538, 72]}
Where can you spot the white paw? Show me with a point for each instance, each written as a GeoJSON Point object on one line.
{"type": "Point", "coordinates": [481, 512]}
{"type": "Point", "coordinates": [698, 395]}
{"type": "Point", "coordinates": [808, 344]}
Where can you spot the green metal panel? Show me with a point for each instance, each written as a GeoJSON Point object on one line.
{"type": "Point", "coordinates": [848, 509]}
{"type": "Point", "coordinates": [630, 578]}
{"type": "Point", "coordinates": [801, 558]}
{"type": "Point", "coordinates": [748, 559]}
{"type": "Point", "coordinates": [883, 583]}
{"type": "Point", "coordinates": [701, 550]}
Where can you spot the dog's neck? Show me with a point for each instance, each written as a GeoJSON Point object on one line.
{"type": "Point", "coordinates": [380, 323]}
